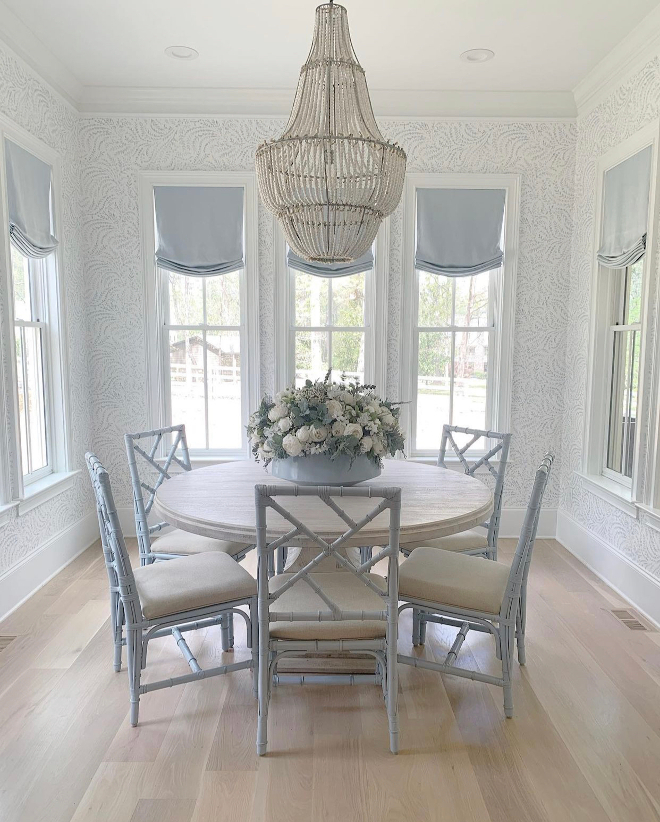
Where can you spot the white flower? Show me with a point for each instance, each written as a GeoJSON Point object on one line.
{"type": "Point", "coordinates": [363, 419]}
{"type": "Point", "coordinates": [277, 412]}
{"type": "Point", "coordinates": [333, 392]}
{"type": "Point", "coordinates": [353, 430]}
{"type": "Point", "coordinates": [338, 428]}
{"type": "Point", "coordinates": [285, 424]}
{"type": "Point", "coordinates": [378, 446]}
{"type": "Point", "coordinates": [388, 419]}
{"type": "Point", "coordinates": [292, 445]}
{"type": "Point", "coordinates": [334, 408]}
{"type": "Point", "coordinates": [255, 439]}
{"type": "Point", "coordinates": [373, 407]}
{"type": "Point", "coordinates": [303, 433]}
{"type": "Point", "coordinates": [347, 397]}
{"type": "Point", "coordinates": [318, 434]}
{"type": "Point", "coordinates": [366, 444]}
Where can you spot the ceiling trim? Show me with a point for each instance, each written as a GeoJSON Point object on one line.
{"type": "Point", "coordinates": [626, 58]}
{"type": "Point", "coordinates": [278, 102]}
{"type": "Point", "coordinates": [38, 58]}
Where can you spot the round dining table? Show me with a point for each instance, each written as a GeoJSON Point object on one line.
{"type": "Point", "coordinates": [218, 501]}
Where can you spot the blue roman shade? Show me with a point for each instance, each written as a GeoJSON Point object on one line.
{"type": "Point", "coordinates": [363, 263]}
{"type": "Point", "coordinates": [625, 211]}
{"type": "Point", "coordinates": [459, 230]}
{"type": "Point", "coordinates": [30, 202]}
{"type": "Point", "coordinates": [199, 229]}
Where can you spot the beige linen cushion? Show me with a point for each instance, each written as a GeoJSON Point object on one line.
{"type": "Point", "coordinates": [447, 578]}
{"type": "Point", "coordinates": [465, 541]}
{"type": "Point", "coordinates": [185, 543]}
{"type": "Point", "coordinates": [188, 583]}
{"type": "Point", "coordinates": [343, 588]}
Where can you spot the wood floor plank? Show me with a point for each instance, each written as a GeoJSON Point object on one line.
{"type": "Point", "coordinates": [226, 796]}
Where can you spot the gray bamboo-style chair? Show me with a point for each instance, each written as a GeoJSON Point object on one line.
{"type": "Point", "coordinates": [175, 542]}
{"type": "Point", "coordinates": [474, 541]}
{"type": "Point", "coordinates": [173, 597]}
{"type": "Point", "coordinates": [470, 593]}
{"type": "Point", "coordinates": [351, 610]}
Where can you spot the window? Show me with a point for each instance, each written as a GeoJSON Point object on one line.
{"type": "Point", "coordinates": [329, 325]}
{"type": "Point", "coordinates": [336, 323]}
{"type": "Point", "coordinates": [33, 401]}
{"type": "Point", "coordinates": [622, 448]}
{"type": "Point", "coordinates": [31, 365]}
{"type": "Point", "coordinates": [202, 293]}
{"type": "Point", "coordinates": [203, 328]}
{"type": "Point", "coordinates": [457, 326]}
{"type": "Point", "coordinates": [625, 330]}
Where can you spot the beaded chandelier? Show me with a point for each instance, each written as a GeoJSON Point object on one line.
{"type": "Point", "coordinates": [331, 178]}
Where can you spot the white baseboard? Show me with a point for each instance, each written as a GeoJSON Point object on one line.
{"type": "Point", "coordinates": [22, 580]}
{"type": "Point", "coordinates": [630, 581]}
{"type": "Point", "coordinates": [510, 524]}
{"type": "Point", "coordinates": [512, 520]}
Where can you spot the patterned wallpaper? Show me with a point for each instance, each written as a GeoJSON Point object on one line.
{"type": "Point", "coordinates": [115, 149]}
{"type": "Point", "coordinates": [34, 107]}
{"type": "Point", "coordinates": [628, 109]}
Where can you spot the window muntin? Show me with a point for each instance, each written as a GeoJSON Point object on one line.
{"type": "Point", "coordinates": [454, 344]}
{"type": "Point", "coordinates": [329, 326]}
{"type": "Point", "coordinates": [30, 334]}
{"type": "Point", "coordinates": [203, 374]}
{"type": "Point", "coordinates": [625, 339]}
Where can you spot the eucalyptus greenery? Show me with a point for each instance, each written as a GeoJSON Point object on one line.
{"type": "Point", "coordinates": [325, 417]}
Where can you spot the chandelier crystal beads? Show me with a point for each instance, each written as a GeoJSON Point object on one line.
{"type": "Point", "coordinates": [331, 178]}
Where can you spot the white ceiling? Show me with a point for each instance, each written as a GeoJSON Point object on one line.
{"type": "Point", "coordinates": [539, 45]}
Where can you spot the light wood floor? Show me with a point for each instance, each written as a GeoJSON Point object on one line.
{"type": "Point", "coordinates": [584, 744]}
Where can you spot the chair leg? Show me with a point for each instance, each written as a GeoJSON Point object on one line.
{"type": "Point", "coordinates": [392, 684]}
{"type": "Point", "coordinates": [263, 690]}
{"type": "Point", "coordinates": [254, 645]}
{"type": "Point", "coordinates": [134, 644]}
{"type": "Point", "coordinates": [366, 552]}
{"type": "Point", "coordinates": [227, 631]}
{"type": "Point", "coordinates": [505, 640]}
{"type": "Point", "coordinates": [117, 622]}
{"type": "Point", "coordinates": [520, 625]}
{"type": "Point", "coordinates": [415, 629]}
{"type": "Point", "coordinates": [422, 628]}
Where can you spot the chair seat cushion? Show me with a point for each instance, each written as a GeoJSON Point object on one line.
{"type": "Point", "coordinates": [465, 541]}
{"type": "Point", "coordinates": [447, 578]}
{"type": "Point", "coordinates": [189, 583]}
{"type": "Point", "coordinates": [343, 588]}
{"type": "Point", "coordinates": [185, 544]}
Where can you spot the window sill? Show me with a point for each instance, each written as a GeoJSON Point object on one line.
{"type": "Point", "coordinates": [650, 516]}
{"type": "Point", "coordinates": [39, 492]}
{"type": "Point", "coordinates": [610, 491]}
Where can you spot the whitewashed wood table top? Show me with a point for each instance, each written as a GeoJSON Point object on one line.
{"type": "Point", "coordinates": [218, 501]}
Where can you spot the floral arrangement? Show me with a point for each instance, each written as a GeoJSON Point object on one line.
{"type": "Point", "coordinates": [324, 417]}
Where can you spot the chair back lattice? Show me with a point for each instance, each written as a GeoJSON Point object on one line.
{"type": "Point", "coordinates": [115, 554]}
{"type": "Point", "coordinates": [177, 453]}
{"type": "Point", "coordinates": [390, 498]}
{"type": "Point", "coordinates": [501, 447]}
{"type": "Point", "coordinates": [523, 556]}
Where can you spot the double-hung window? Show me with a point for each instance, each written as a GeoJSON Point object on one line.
{"type": "Point", "coordinates": [32, 331]}
{"type": "Point", "coordinates": [622, 447]}
{"type": "Point", "coordinates": [457, 313]}
{"type": "Point", "coordinates": [203, 321]}
{"type": "Point", "coordinates": [333, 318]}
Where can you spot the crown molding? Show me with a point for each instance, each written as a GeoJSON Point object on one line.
{"type": "Point", "coordinates": [626, 58]}
{"type": "Point", "coordinates": [277, 102]}
{"type": "Point", "coordinates": [38, 58]}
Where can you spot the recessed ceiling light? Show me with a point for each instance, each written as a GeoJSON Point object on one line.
{"type": "Point", "coordinates": [182, 52]}
{"type": "Point", "coordinates": [477, 55]}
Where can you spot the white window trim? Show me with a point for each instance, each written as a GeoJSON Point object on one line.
{"type": "Point", "coordinates": [14, 494]}
{"type": "Point", "coordinates": [154, 319]}
{"type": "Point", "coordinates": [376, 306]}
{"type": "Point", "coordinates": [642, 495]}
{"type": "Point", "coordinates": [504, 310]}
